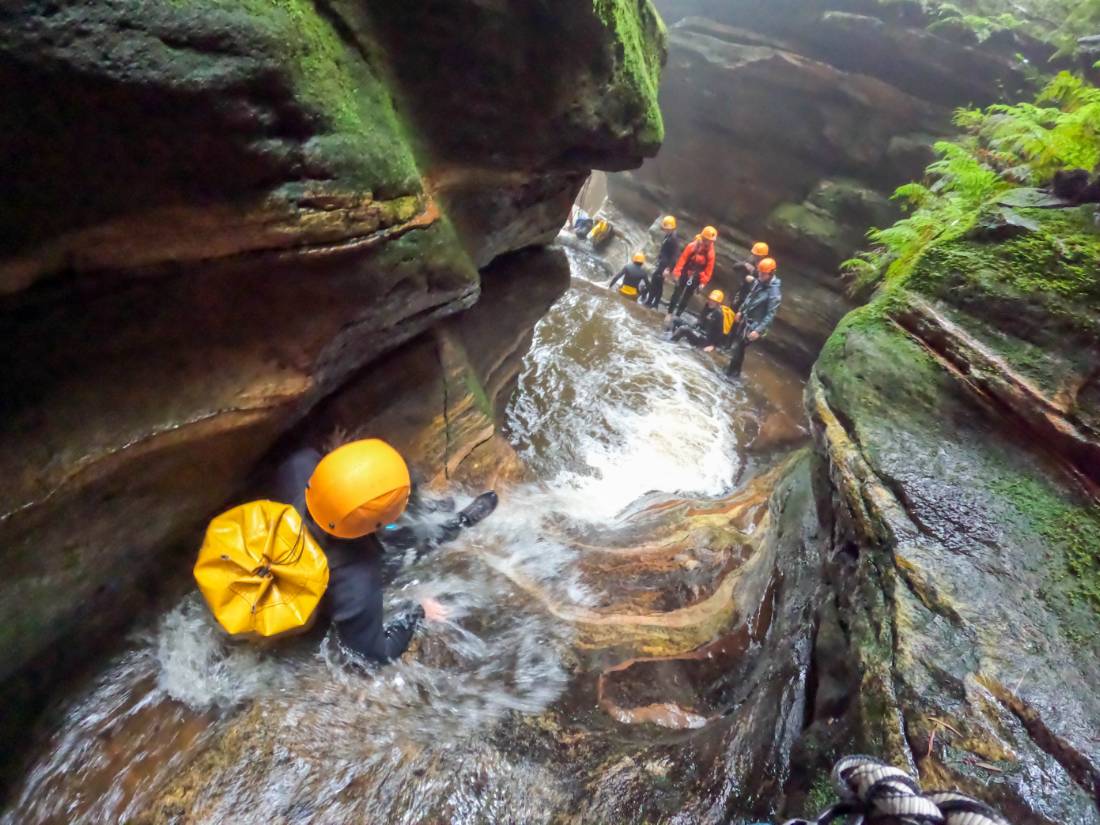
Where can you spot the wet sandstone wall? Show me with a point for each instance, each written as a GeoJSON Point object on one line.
{"type": "Point", "coordinates": [217, 212]}
{"type": "Point", "coordinates": [957, 424]}
{"type": "Point", "coordinates": [794, 121]}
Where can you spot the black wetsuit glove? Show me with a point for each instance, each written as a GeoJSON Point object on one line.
{"type": "Point", "coordinates": [479, 509]}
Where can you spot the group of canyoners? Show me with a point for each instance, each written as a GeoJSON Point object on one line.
{"type": "Point", "coordinates": [730, 325]}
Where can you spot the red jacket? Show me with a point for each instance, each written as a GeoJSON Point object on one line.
{"type": "Point", "coordinates": [697, 260]}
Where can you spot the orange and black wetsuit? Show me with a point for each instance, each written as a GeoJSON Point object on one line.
{"type": "Point", "coordinates": [693, 272]}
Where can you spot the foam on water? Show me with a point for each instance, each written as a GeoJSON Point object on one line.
{"type": "Point", "coordinates": [606, 412]}
{"type": "Point", "coordinates": [621, 412]}
{"type": "Point", "coordinates": [201, 668]}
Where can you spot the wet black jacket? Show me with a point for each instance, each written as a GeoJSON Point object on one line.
{"type": "Point", "coordinates": [670, 251]}
{"type": "Point", "coordinates": [760, 305]}
{"type": "Point", "coordinates": [710, 324]}
{"type": "Point", "coordinates": [632, 275]}
{"type": "Point", "coordinates": [743, 291]}
{"type": "Point", "coordinates": [354, 596]}
{"type": "Point", "coordinates": [708, 331]}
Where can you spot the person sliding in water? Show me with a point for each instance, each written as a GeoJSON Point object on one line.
{"type": "Point", "coordinates": [632, 275]}
{"type": "Point", "coordinates": [757, 313]}
{"type": "Point", "coordinates": [716, 322]}
{"type": "Point", "coordinates": [346, 499]}
{"type": "Point", "coordinates": [666, 259]}
{"type": "Point", "coordinates": [694, 270]}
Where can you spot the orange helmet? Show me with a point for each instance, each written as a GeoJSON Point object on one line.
{"type": "Point", "coordinates": [718, 296]}
{"type": "Point", "coordinates": [710, 233]}
{"type": "Point", "coordinates": [358, 488]}
{"type": "Point", "coordinates": [639, 258]}
{"type": "Point", "coordinates": [766, 265]}
{"type": "Point", "coordinates": [760, 249]}
{"type": "Point", "coordinates": [668, 222]}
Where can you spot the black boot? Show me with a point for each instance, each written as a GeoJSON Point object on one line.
{"type": "Point", "coordinates": [737, 359]}
{"type": "Point", "coordinates": [478, 509]}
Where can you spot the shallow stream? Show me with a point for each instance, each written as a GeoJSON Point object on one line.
{"type": "Point", "coordinates": [620, 428]}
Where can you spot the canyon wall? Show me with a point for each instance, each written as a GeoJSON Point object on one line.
{"type": "Point", "coordinates": [217, 213]}
{"type": "Point", "coordinates": [793, 122]}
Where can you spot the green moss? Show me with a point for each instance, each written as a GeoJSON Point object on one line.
{"type": "Point", "coordinates": [870, 319]}
{"type": "Point", "coordinates": [800, 220]}
{"type": "Point", "coordinates": [1070, 529]}
{"type": "Point", "coordinates": [359, 136]}
{"type": "Point", "coordinates": [821, 795]}
{"type": "Point", "coordinates": [1043, 285]}
{"type": "Point", "coordinates": [477, 392]}
{"type": "Point", "coordinates": [642, 33]}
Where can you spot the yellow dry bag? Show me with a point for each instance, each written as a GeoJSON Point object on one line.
{"type": "Point", "coordinates": [260, 571]}
{"type": "Point", "coordinates": [729, 318]}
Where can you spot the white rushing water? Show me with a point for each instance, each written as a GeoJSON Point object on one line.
{"type": "Point", "coordinates": [609, 411]}
{"type": "Point", "coordinates": [606, 412]}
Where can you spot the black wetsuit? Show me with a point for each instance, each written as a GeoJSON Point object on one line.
{"type": "Point", "coordinates": [751, 276]}
{"type": "Point", "coordinates": [757, 313]}
{"type": "Point", "coordinates": [632, 275]}
{"type": "Point", "coordinates": [354, 596]}
{"type": "Point", "coordinates": [708, 332]}
{"type": "Point", "coordinates": [666, 259]}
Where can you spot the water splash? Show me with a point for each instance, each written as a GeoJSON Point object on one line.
{"type": "Point", "coordinates": [609, 411]}
{"type": "Point", "coordinates": [200, 667]}
{"type": "Point", "coordinates": [606, 412]}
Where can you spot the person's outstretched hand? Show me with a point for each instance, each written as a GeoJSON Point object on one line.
{"type": "Point", "coordinates": [708, 349]}
{"type": "Point", "coordinates": [434, 611]}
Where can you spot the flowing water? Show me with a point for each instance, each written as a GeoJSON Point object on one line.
{"type": "Point", "coordinates": [613, 421]}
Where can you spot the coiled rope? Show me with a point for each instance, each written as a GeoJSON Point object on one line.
{"type": "Point", "coordinates": [879, 793]}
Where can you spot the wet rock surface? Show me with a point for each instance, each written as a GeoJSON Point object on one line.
{"type": "Point", "coordinates": [689, 730]}
{"type": "Point", "coordinates": [223, 211]}
{"type": "Point", "coordinates": [620, 652]}
{"type": "Point", "coordinates": [967, 524]}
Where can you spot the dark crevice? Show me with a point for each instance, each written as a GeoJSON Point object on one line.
{"type": "Point", "coordinates": [812, 677]}
{"type": "Point", "coordinates": [446, 410]}
{"type": "Point", "coordinates": [1076, 764]}
{"type": "Point", "coordinates": [345, 30]}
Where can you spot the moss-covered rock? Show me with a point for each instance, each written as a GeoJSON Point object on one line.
{"type": "Point", "coordinates": [952, 415]}
{"type": "Point", "coordinates": [225, 210]}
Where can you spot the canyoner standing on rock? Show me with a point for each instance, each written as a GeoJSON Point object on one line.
{"type": "Point", "coordinates": [757, 313]}
{"type": "Point", "coordinates": [694, 269]}
{"type": "Point", "coordinates": [714, 328]}
{"type": "Point", "coordinates": [751, 269]}
{"type": "Point", "coordinates": [260, 558]}
{"type": "Point", "coordinates": [666, 259]}
{"type": "Point", "coordinates": [633, 276]}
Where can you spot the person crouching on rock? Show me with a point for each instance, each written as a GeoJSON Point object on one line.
{"type": "Point", "coordinates": [694, 269]}
{"type": "Point", "coordinates": [666, 259]}
{"type": "Point", "coordinates": [346, 499]}
{"type": "Point", "coordinates": [713, 329]}
{"type": "Point", "coordinates": [633, 275]}
{"type": "Point", "coordinates": [757, 313]}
